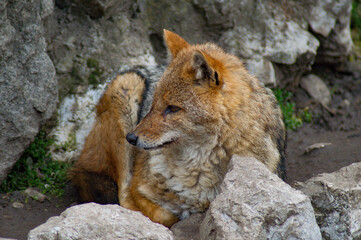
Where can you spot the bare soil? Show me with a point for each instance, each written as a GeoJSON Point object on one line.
{"type": "Point", "coordinates": [339, 127]}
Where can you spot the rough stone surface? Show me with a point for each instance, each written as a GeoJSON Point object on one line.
{"type": "Point", "coordinates": [256, 204]}
{"type": "Point", "coordinates": [28, 89]}
{"type": "Point", "coordinates": [267, 29]}
{"type": "Point", "coordinates": [317, 89]}
{"type": "Point", "coordinates": [188, 229]}
{"type": "Point", "coordinates": [33, 193]}
{"type": "Point", "coordinates": [336, 198]}
{"type": "Point", "coordinates": [98, 8]}
{"type": "Point", "coordinates": [273, 34]}
{"type": "Point", "coordinates": [330, 20]}
{"type": "Point", "coordinates": [88, 51]}
{"type": "Point", "coordinates": [94, 221]}
{"type": "Point", "coordinates": [263, 70]}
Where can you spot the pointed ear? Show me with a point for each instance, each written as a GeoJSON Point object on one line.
{"type": "Point", "coordinates": [205, 69]}
{"type": "Point", "coordinates": [174, 42]}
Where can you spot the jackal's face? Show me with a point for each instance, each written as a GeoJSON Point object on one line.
{"type": "Point", "coordinates": [186, 107]}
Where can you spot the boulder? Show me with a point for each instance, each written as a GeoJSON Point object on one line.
{"type": "Point", "coordinates": [268, 30]}
{"type": "Point", "coordinates": [255, 204]}
{"type": "Point", "coordinates": [278, 31]}
{"type": "Point", "coordinates": [330, 23]}
{"type": "Point", "coordinates": [336, 198]}
{"type": "Point", "coordinates": [28, 89]}
{"type": "Point", "coordinates": [87, 51]}
{"type": "Point", "coordinates": [274, 36]}
{"type": "Point", "coordinates": [94, 221]}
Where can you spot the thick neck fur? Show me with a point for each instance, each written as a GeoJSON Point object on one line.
{"type": "Point", "coordinates": [193, 171]}
{"type": "Point", "coordinates": [200, 165]}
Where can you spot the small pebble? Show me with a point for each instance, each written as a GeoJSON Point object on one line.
{"type": "Point", "coordinates": [17, 205]}
{"type": "Point", "coordinates": [35, 194]}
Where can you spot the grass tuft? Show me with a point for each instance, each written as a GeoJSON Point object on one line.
{"type": "Point", "coordinates": [356, 25]}
{"type": "Point", "coordinates": [37, 169]}
{"type": "Point", "coordinates": [291, 117]}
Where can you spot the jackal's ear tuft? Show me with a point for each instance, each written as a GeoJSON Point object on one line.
{"type": "Point", "coordinates": [174, 42]}
{"type": "Point", "coordinates": [205, 72]}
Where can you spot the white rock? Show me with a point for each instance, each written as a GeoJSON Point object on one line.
{"type": "Point", "coordinates": [336, 198]}
{"type": "Point", "coordinates": [31, 192]}
{"type": "Point", "coordinates": [17, 205]}
{"type": "Point", "coordinates": [263, 70]}
{"type": "Point", "coordinates": [76, 116]}
{"type": "Point", "coordinates": [316, 88]}
{"type": "Point", "coordinates": [331, 19]}
{"type": "Point", "coordinates": [94, 221]}
{"type": "Point", "coordinates": [255, 204]}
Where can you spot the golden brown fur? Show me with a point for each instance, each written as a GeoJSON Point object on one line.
{"type": "Point", "coordinates": [106, 153]}
{"type": "Point", "coordinates": [206, 108]}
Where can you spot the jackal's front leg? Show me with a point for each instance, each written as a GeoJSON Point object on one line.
{"type": "Point", "coordinates": [152, 210]}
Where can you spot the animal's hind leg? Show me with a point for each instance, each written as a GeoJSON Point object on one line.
{"type": "Point", "coordinates": [93, 187]}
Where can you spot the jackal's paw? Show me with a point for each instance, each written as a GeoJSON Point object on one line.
{"type": "Point", "coordinates": [164, 217]}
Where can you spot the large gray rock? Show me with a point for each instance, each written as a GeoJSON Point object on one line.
{"type": "Point", "coordinates": [274, 36]}
{"type": "Point", "coordinates": [88, 51]}
{"type": "Point", "coordinates": [279, 31]}
{"type": "Point", "coordinates": [28, 90]}
{"type": "Point", "coordinates": [256, 204]}
{"type": "Point", "coordinates": [330, 21]}
{"type": "Point", "coordinates": [268, 30]}
{"type": "Point", "coordinates": [94, 221]}
{"type": "Point", "coordinates": [336, 198]}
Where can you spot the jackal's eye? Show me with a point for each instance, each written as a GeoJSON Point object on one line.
{"type": "Point", "coordinates": [171, 109]}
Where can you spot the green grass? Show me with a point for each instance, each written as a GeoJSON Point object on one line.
{"type": "Point", "coordinates": [356, 18]}
{"type": "Point", "coordinates": [36, 169]}
{"type": "Point", "coordinates": [356, 25]}
{"type": "Point", "coordinates": [293, 119]}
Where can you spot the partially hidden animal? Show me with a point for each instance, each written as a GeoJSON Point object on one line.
{"type": "Point", "coordinates": [206, 108]}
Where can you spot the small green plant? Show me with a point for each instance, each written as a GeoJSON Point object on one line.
{"type": "Point", "coordinates": [292, 119]}
{"type": "Point", "coordinates": [95, 76]}
{"type": "Point", "coordinates": [356, 26]}
{"type": "Point", "coordinates": [36, 169]}
{"type": "Point", "coordinates": [69, 145]}
{"type": "Point", "coordinates": [356, 18]}
{"type": "Point", "coordinates": [306, 116]}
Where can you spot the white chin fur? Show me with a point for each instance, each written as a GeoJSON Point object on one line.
{"type": "Point", "coordinates": [166, 138]}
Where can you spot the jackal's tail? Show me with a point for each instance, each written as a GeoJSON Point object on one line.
{"type": "Point", "coordinates": [103, 171]}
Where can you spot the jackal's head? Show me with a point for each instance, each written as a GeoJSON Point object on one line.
{"type": "Point", "coordinates": [187, 106]}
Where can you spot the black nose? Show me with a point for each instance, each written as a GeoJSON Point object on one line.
{"type": "Point", "coordinates": [132, 138]}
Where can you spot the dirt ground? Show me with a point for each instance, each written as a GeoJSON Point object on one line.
{"type": "Point", "coordinates": [339, 127]}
